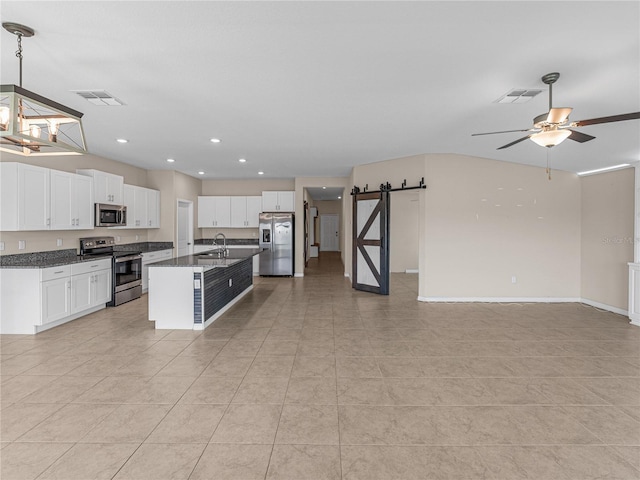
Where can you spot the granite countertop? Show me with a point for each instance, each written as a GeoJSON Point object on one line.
{"type": "Point", "coordinates": [202, 260]}
{"type": "Point", "coordinates": [144, 247]}
{"type": "Point", "coordinates": [250, 242]}
{"type": "Point", "coordinates": [54, 258]}
{"type": "Point", "coordinates": [69, 256]}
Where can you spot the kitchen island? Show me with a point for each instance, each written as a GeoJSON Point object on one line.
{"type": "Point", "coordinates": [191, 292]}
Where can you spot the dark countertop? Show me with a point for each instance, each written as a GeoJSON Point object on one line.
{"type": "Point", "coordinates": [144, 247]}
{"type": "Point", "coordinates": [69, 256]}
{"type": "Point", "coordinates": [235, 255]}
{"type": "Point", "coordinates": [54, 258]}
{"type": "Point", "coordinates": [249, 242]}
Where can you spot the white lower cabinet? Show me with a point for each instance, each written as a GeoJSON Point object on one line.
{"type": "Point", "coordinates": [36, 299]}
{"type": "Point", "coordinates": [152, 257]}
{"type": "Point", "coordinates": [56, 302]}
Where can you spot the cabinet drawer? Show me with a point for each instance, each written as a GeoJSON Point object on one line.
{"type": "Point", "coordinates": [47, 274]}
{"type": "Point", "coordinates": [152, 257]}
{"type": "Point", "coordinates": [86, 267]}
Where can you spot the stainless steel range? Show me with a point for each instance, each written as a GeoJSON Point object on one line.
{"type": "Point", "coordinates": [126, 267]}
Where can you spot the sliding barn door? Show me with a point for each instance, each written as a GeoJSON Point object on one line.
{"type": "Point", "coordinates": [371, 242]}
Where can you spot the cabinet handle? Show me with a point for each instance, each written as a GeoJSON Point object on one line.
{"type": "Point", "coordinates": [60, 271]}
{"type": "Point", "coordinates": [95, 266]}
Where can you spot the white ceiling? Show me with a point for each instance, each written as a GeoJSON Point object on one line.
{"type": "Point", "coordinates": [325, 193]}
{"type": "Point", "coordinates": [314, 88]}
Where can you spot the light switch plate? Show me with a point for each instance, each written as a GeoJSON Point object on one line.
{"type": "Point", "coordinates": [1, 246]}
{"type": "Point", "coordinates": [58, 242]}
{"type": "Point", "coordinates": [22, 244]}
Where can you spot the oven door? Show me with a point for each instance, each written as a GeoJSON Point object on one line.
{"type": "Point", "coordinates": [127, 272]}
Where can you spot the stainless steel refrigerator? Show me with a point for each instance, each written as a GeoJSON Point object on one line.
{"type": "Point", "coordinates": [277, 241]}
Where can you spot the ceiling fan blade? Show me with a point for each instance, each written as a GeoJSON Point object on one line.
{"type": "Point", "coordinates": [612, 118]}
{"type": "Point", "coordinates": [513, 143]}
{"type": "Point", "coordinates": [504, 131]}
{"type": "Point", "coordinates": [579, 136]}
{"type": "Point", "coordinates": [558, 115]}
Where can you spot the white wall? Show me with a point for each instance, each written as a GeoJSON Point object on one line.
{"type": "Point", "coordinates": [487, 221]}
{"type": "Point", "coordinates": [607, 236]}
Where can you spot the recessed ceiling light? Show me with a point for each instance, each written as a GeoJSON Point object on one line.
{"type": "Point", "coordinates": [242, 160]}
{"type": "Point", "coordinates": [200, 173]}
{"type": "Point", "coordinates": [215, 140]}
{"type": "Point", "coordinates": [324, 188]}
{"type": "Point", "coordinates": [339, 198]}
{"type": "Point", "coordinates": [122, 140]}
{"type": "Point", "coordinates": [170, 160]}
{"type": "Point", "coordinates": [260, 173]}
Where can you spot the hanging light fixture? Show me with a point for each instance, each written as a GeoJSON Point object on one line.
{"type": "Point", "coordinates": [551, 137]}
{"type": "Point", "coordinates": [33, 125]}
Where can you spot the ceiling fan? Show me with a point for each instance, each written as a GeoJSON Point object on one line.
{"type": "Point", "coordinates": [551, 128]}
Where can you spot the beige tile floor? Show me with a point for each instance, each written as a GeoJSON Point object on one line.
{"type": "Point", "coordinates": [309, 379]}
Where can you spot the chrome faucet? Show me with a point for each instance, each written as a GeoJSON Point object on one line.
{"type": "Point", "coordinates": [224, 243]}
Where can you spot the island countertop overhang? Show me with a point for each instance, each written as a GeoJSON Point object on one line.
{"type": "Point", "coordinates": [206, 261]}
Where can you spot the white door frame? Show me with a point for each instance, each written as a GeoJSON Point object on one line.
{"type": "Point", "coordinates": [189, 204]}
{"type": "Point", "coordinates": [337, 222]}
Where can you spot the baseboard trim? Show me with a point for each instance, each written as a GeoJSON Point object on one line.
{"type": "Point", "coordinates": [298, 275]}
{"type": "Point", "coordinates": [411, 270]}
{"type": "Point", "coordinates": [501, 299]}
{"type": "Point", "coordinates": [604, 306]}
{"type": "Point", "coordinates": [586, 301]}
{"type": "Point", "coordinates": [347, 275]}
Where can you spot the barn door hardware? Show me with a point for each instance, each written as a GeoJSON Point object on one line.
{"type": "Point", "coordinates": [386, 187]}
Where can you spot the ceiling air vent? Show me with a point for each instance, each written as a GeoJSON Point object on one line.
{"type": "Point", "coordinates": [518, 95]}
{"type": "Point", "coordinates": [99, 97]}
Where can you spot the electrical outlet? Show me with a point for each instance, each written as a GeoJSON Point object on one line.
{"type": "Point", "coordinates": [253, 234]}
{"type": "Point", "coordinates": [22, 244]}
{"type": "Point", "coordinates": [58, 242]}
{"type": "Point", "coordinates": [514, 279]}
{"type": "Point", "coordinates": [137, 237]}
{"type": "Point", "coordinates": [117, 238]}
{"type": "Point", "coordinates": [1, 246]}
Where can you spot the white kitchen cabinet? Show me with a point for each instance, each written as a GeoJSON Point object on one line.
{"type": "Point", "coordinates": [245, 211]}
{"type": "Point", "coordinates": [35, 299]}
{"type": "Point", "coordinates": [275, 201]}
{"type": "Point", "coordinates": [35, 198]}
{"type": "Point", "coordinates": [214, 212]}
{"type": "Point", "coordinates": [24, 197]}
{"type": "Point", "coordinates": [56, 299]}
{"type": "Point", "coordinates": [153, 208]}
{"type": "Point", "coordinates": [90, 284]}
{"type": "Point", "coordinates": [143, 207]}
{"type": "Point", "coordinates": [71, 201]}
{"type": "Point", "coordinates": [107, 187]}
{"type": "Point", "coordinates": [152, 257]}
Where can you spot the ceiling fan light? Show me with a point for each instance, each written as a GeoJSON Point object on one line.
{"type": "Point", "coordinates": [550, 138]}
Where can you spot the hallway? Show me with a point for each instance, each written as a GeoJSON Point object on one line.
{"type": "Point", "coordinates": [306, 378]}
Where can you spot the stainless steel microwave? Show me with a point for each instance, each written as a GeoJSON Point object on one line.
{"type": "Point", "coordinates": [110, 215]}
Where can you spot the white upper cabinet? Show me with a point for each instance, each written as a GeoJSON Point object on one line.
{"type": "Point", "coordinates": [214, 212]}
{"type": "Point", "coordinates": [245, 211]}
{"type": "Point", "coordinates": [24, 197]}
{"type": "Point", "coordinates": [153, 208]}
{"type": "Point", "coordinates": [107, 187]}
{"type": "Point", "coordinates": [278, 201]}
{"type": "Point", "coordinates": [143, 207]}
{"type": "Point", "coordinates": [71, 201]}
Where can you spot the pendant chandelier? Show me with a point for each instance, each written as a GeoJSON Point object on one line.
{"type": "Point", "coordinates": [33, 125]}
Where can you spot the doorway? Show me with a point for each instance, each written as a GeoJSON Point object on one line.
{"type": "Point", "coordinates": [184, 232]}
{"type": "Point", "coordinates": [329, 233]}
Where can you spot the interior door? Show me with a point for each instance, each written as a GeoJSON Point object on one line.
{"type": "Point", "coordinates": [371, 242]}
{"type": "Point", "coordinates": [185, 232]}
{"type": "Point", "coordinates": [329, 233]}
